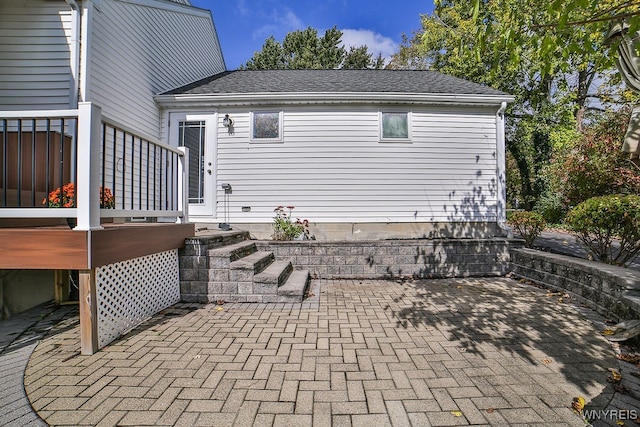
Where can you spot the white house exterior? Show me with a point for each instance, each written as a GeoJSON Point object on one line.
{"type": "Point", "coordinates": [77, 81]}
{"type": "Point", "coordinates": [443, 175]}
{"type": "Point", "coordinates": [115, 53]}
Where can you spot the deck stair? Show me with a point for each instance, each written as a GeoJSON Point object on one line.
{"type": "Point", "coordinates": [237, 271]}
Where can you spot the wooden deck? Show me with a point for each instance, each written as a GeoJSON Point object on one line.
{"type": "Point", "coordinates": [60, 248]}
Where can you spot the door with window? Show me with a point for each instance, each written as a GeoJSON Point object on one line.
{"type": "Point", "coordinates": [197, 133]}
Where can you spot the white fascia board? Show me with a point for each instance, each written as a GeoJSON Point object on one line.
{"type": "Point", "coordinates": [240, 99]}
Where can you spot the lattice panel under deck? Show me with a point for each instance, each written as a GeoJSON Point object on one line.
{"type": "Point", "coordinates": [131, 291]}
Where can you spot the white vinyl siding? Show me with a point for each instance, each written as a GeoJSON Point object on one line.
{"type": "Point", "coordinates": [141, 50]}
{"type": "Point", "coordinates": [35, 68]}
{"type": "Point", "coordinates": [332, 167]}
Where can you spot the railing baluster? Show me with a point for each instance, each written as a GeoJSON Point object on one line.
{"type": "Point", "coordinates": [20, 162]}
{"type": "Point", "coordinates": [124, 168]}
{"type": "Point", "coordinates": [173, 183]}
{"type": "Point", "coordinates": [147, 180]}
{"type": "Point", "coordinates": [104, 156]}
{"type": "Point", "coordinates": [47, 166]}
{"type": "Point", "coordinates": [61, 151]}
{"type": "Point", "coordinates": [140, 174]}
{"type": "Point", "coordinates": [133, 170]}
{"type": "Point", "coordinates": [155, 149]}
{"type": "Point", "coordinates": [5, 161]}
{"type": "Point", "coordinates": [33, 162]}
{"type": "Point", "coordinates": [114, 166]}
{"type": "Point", "coordinates": [161, 180]}
{"type": "Point", "coordinates": [74, 153]}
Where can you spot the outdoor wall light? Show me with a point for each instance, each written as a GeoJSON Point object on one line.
{"type": "Point", "coordinates": [228, 123]}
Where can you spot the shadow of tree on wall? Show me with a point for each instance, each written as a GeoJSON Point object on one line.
{"type": "Point", "coordinates": [473, 206]}
{"type": "Point", "coordinates": [498, 316]}
{"type": "Point", "coordinates": [469, 243]}
{"type": "Point", "coordinates": [470, 214]}
{"type": "Point", "coordinates": [439, 258]}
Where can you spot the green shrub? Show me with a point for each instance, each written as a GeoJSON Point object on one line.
{"type": "Point", "coordinates": [599, 221]}
{"type": "Point", "coordinates": [552, 208]}
{"type": "Point", "coordinates": [529, 225]}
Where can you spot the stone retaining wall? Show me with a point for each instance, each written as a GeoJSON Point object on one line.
{"type": "Point", "coordinates": [424, 258]}
{"type": "Point", "coordinates": [610, 290]}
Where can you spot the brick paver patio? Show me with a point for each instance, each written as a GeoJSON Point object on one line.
{"type": "Point", "coordinates": [366, 353]}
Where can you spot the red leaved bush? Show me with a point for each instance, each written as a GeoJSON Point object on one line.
{"type": "Point", "coordinates": [595, 166]}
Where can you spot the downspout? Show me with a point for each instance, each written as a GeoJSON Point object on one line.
{"type": "Point", "coordinates": [74, 54]}
{"type": "Point", "coordinates": [501, 176]}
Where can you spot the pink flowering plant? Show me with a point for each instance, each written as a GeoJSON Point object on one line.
{"type": "Point", "coordinates": [284, 228]}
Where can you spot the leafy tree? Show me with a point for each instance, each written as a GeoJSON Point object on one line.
{"type": "Point", "coordinates": [562, 31]}
{"type": "Point", "coordinates": [305, 49]}
{"type": "Point", "coordinates": [358, 58]}
{"type": "Point", "coordinates": [447, 43]}
{"type": "Point", "coordinates": [271, 57]}
{"type": "Point", "coordinates": [566, 37]}
{"type": "Point", "coordinates": [592, 164]}
{"type": "Point", "coordinates": [551, 90]}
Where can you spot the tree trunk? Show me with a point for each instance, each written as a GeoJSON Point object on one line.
{"type": "Point", "coordinates": [526, 190]}
{"type": "Point", "coordinates": [585, 79]}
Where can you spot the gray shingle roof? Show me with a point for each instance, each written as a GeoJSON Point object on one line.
{"type": "Point", "coordinates": [327, 81]}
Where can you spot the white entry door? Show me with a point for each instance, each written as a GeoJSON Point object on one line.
{"type": "Point", "coordinates": [197, 133]}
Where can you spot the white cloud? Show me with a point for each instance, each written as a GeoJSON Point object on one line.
{"type": "Point", "coordinates": [375, 42]}
{"type": "Point", "coordinates": [278, 23]}
{"type": "Point", "coordinates": [241, 7]}
{"type": "Point", "coordinates": [291, 20]}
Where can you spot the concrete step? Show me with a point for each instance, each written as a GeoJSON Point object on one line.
{"type": "Point", "coordinates": [272, 278]}
{"type": "Point", "coordinates": [223, 257]}
{"type": "Point", "coordinates": [218, 238]}
{"type": "Point", "coordinates": [244, 269]}
{"type": "Point", "coordinates": [295, 288]}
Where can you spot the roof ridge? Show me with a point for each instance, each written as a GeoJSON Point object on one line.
{"type": "Point", "coordinates": [334, 81]}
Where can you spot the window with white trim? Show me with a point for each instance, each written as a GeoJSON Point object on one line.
{"type": "Point", "coordinates": [266, 126]}
{"type": "Point", "coordinates": [395, 126]}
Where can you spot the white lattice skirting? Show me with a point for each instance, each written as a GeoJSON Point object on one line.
{"type": "Point", "coordinates": [131, 291]}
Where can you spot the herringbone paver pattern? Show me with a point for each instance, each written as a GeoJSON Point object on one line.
{"type": "Point", "coordinates": [371, 353]}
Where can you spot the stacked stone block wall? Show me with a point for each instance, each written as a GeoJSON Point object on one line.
{"type": "Point", "coordinates": [610, 290]}
{"type": "Point", "coordinates": [195, 268]}
{"type": "Point", "coordinates": [424, 258]}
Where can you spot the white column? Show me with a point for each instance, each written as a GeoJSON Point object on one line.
{"type": "Point", "coordinates": [88, 180]}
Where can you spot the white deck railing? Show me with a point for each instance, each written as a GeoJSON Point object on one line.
{"type": "Point", "coordinates": [41, 151]}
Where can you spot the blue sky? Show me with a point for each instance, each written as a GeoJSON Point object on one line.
{"type": "Point", "coordinates": [244, 25]}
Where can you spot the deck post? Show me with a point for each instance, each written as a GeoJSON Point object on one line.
{"type": "Point", "coordinates": [61, 286]}
{"type": "Point", "coordinates": [183, 185]}
{"type": "Point", "coordinates": [88, 312]}
{"type": "Point", "coordinates": [88, 179]}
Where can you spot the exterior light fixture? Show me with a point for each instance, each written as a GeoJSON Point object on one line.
{"type": "Point", "coordinates": [228, 123]}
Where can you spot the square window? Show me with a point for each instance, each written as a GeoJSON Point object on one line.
{"type": "Point", "coordinates": [394, 126]}
{"type": "Point", "coordinates": [266, 126]}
